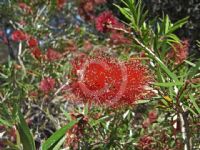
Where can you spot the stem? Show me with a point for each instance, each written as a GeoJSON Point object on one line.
{"type": "Point", "coordinates": [20, 60]}
{"type": "Point", "coordinates": [185, 130]}
{"type": "Point", "coordinates": [183, 118]}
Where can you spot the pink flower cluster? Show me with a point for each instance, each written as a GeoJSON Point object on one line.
{"type": "Point", "coordinates": [145, 143]}
{"type": "Point", "coordinates": [86, 8]}
{"type": "Point", "coordinates": [179, 52]}
{"type": "Point", "coordinates": [152, 117]}
{"type": "Point", "coordinates": [47, 84]}
{"type": "Point", "coordinates": [106, 22]}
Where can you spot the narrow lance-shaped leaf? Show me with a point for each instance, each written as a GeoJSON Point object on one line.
{"type": "Point", "coordinates": [53, 139]}
{"type": "Point", "coordinates": [26, 137]}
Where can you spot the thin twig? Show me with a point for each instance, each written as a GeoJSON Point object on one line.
{"type": "Point", "coordinates": [20, 60]}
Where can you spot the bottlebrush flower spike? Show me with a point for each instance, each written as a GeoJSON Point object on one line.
{"type": "Point", "coordinates": [32, 42]}
{"type": "Point", "coordinates": [47, 84]}
{"type": "Point", "coordinates": [25, 7]}
{"type": "Point", "coordinates": [179, 52]}
{"type": "Point", "coordinates": [18, 35]}
{"type": "Point", "coordinates": [52, 55]}
{"type": "Point", "coordinates": [104, 20]}
{"type": "Point", "coordinates": [105, 81]}
{"type": "Point", "coordinates": [36, 53]}
{"type": "Point", "coordinates": [145, 142]}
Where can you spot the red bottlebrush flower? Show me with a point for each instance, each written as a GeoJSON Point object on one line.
{"type": "Point", "coordinates": [32, 42]}
{"type": "Point", "coordinates": [52, 55]}
{"type": "Point", "coordinates": [104, 20]}
{"type": "Point", "coordinates": [18, 35]}
{"type": "Point", "coordinates": [145, 142]}
{"type": "Point", "coordinates": [25, 7]}
{"type": "Point", "coordinates": [36, 53]}
{"type": "Point", "coordinates": [60, 3]}
{"type": "Point", "coordinates": [152, 116]}
{"type": "Point", "coordinates": [108, 82]}
{"type": "Point", "coordinates": [179, 52]}
{"type": "Point", "coordinates": [47, 84]}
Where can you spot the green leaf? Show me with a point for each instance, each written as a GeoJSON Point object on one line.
{"type": "Point", "coordinates": [190, 109]}
{"type": "Point", "coordinates": [67, 115]}
{"type": "Point", "coordinates": [166, 24]}
{"type": "Point", "coordinates": [59, 144]}
{"type": "Point", "coordinates": [194, 70]}
{"type": "Point", "coordinates": [178, 24]}
{"type": "Point", "coordinates": [86, 109]}
{"type": "Point", "coordinates": [53, 139]}
{"type": "Point", "coordinates": [173, 38]}
{"type": "Point", "coordinates": [168, 84]}
{"type": "Point", "coordinates": [192, 99]}
{"type": "Point", "coordinates": [6, 123]}
{"type": "Point", "coordinates": [26, 137]}
{"type": "Point", "coordinates": [95, 122]}
{"type": "Point", "coordinates": [198, 43]}
{"type": "Point", "coordinates": [124, 11]}
{"type": "Point", "coordinates": [189, 63]}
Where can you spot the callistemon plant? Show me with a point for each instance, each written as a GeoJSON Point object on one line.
{"type": "Point", "coordinates": [92, 75]}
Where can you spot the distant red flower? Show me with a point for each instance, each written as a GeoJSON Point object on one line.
{"type": "Point", "coordinates": [86, 9]}
{"type": "Point", "coordinates": [19, 35]}
{"type": "Point", "coordinates": [105, 81]}
{"type": "Point", "coordinates": [179, 52]}
{"type": "Point", "coordinates": [47, 84]}
{"type": "Point", "coordinates": [152, 116]}
{"type": "Point", "coordinates": [88, 6]}
{"type": "Point", "coordinates": [25, 7]}
{"type": "Point", "coordinates": [52, 55]}
{"type": "Point", "coordinates": [146, 123]}
{"type": "Point", "coordinates": [119, 38]}
{"type": "Point", "coordinates": [100, 1]}
{"type": "Point", "coordinates": [104, 20]}
{"type": "Point", "coordinates": [87, 45]}
{"type": "Point", "coordinates": [60, 3]}
{"type": "Point", "coordinates": [36, 53]}
{"type": "Point", "coordinates": [32, 42]}
{"type": "Point", "coordinates": [145, 142]}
